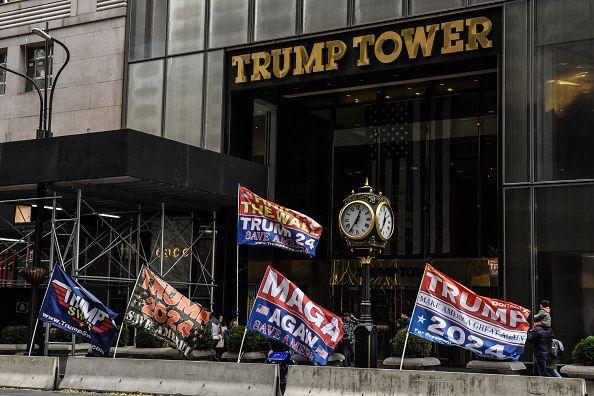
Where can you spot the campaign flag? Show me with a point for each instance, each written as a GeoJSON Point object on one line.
{"type": "Point", "coordinates": [282, 312]}
{"type": "Point", "coordinates": [448, 313]}
{"type": "Point", "coordinates": [166, 313]}
{"type": "Point", "coordinates": [70, 307]}
{"type": "Point", "coordinates": [264, 223]}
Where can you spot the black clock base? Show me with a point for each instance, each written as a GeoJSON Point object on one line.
{"type": "Point", "coordinates": [366, 345]}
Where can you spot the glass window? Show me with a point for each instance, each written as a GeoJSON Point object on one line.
{"type": "Point", "coordinates": [36, 67]}
{"type": "Point", "coordinates": [148, 24]}
{"type": "Point", "coordinates": [377, 10]}
{"type": "Point", "coordinates": [145, 96]}
{"type": "Point", "coordinates": [275, 18]}
{"type": "Point", "coordinates": [517, 246]}
{"type": "Point", "coordinates": [324, 15]}
{"type": "Point", "coordinates": [517, 136]}
{"type": "Point", "coordinates": [2, 74]}
{"type": "Point", "coordinates": [426, 6]}
{"type": "Point", "coordinates": [186, 26]}
{"type": "Point", "coordinates": [565, 261]}
{"type": "Point", "coordinates": [228, 22]}
{"type": "Point", "coordinates": [214, 100]}
{"type": "Point", "coordinates": [564, 82]}
{"type": "Point", "coordinates": [183, 104]}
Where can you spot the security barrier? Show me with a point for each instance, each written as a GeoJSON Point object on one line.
{"type": "Point", "coordinates": [170, 377]}
{"type": "Point", "coordinates": [329, 381]}
{"type": "Point", "coordinates": [28, 372]}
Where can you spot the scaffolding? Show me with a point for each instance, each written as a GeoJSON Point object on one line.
{"type": "Point", "coordinates": [104, 246]}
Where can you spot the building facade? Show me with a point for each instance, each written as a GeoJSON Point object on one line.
{"type": "Point", "coordinates": [472, 116]}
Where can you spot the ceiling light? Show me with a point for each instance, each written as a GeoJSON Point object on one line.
{"type": "Point", "coordinates": [12, 240]}
{"type": "Point", "coordinates": [417, 93]}
{"type": "Point", "coordinates": [450, 89]}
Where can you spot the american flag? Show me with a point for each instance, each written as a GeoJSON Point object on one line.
{"type": "Point", "coordinates": [389, 125]}
{"type": "Point", "coordinates": [262, 309]}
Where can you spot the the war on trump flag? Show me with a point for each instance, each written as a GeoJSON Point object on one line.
{"type": "Point", "coordinates": [265, 223]}
{"type": "Point", "coordinates": [70, 307]}
{"type": "Point", "coordinates": [448, 313]}
{"type": "Point", "coordinates": [282, 312]}
{"type": "Point", "coordinates": [166, 313]}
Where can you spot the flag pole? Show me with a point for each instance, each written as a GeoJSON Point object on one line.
{"type": "Point", "coordinates": [411, 319]}
{"type": "Point", "coordinates": [241, 346]}
{"type": "Point", "coordinates": [37, 320]}
{"type": "Point", "coordinates": [237, 260]}
{"type": "Point", "coordinates": [115, 351]}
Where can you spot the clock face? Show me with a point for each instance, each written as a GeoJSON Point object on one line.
{"type": "Point", "coordinates": [356, 220]}
{"type": "Point", "coordinates": [384, 221]}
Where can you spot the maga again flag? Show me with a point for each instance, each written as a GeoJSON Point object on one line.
{"type": "Point", "coordinates": [264, 223]}
{"type": "Point", "coordinates": [448, 313]}
{"type": "Point", "coordinates": [70, 307]}
{"type": "Point", "coordinates": [282, 312]}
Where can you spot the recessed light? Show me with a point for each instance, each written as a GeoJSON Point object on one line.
{"type": "Point", "coordinates": [476, 80]}
{"type": "Point", "coordinates": [408, 88]}
{"type": "Point", "coordinates": [442, 84]}
{"type": "Point", "coordinates": [417, 93]}
{"type": "Point", "coordinates": [388, 97]}
{"type": "Point", "coordinates": [450, 89]}
{"type": "Point", "coordinates": [348, 95]}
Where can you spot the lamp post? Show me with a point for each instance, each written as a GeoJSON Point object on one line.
{"type": "Point", "coordinates": [35, 274]}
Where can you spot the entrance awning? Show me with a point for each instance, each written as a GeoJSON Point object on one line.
{"type": "Point", "coordinates": [127, 166]}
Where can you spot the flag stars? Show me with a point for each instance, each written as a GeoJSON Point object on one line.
{"type": "Point", "coordinates": [421, 319]}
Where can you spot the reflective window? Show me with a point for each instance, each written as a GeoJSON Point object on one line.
{"type": "Point", "coordinates": [2, 73]}
{"type": "Point", "coordinates": [515, 117]}
{"type": "Point", "coordinates": [564, 96]}
{"type": "Point", "coordinates": [274, 18]}
{"type": "Point", "coordinates": [147, 29]}
{"type": "Point", "coordinates": [565, 261]}
{"type": "Point", "coordinates": [36, 67]}
{"type": "Point", "coordinates": [228, 22]}
{"type": "Point", "coordinates": [324, 15]}
{"type": "Point", "coordinates": [377, 10]}
{"type": "Point", "coordinates": [426, 6]}
{"type": "Point", "coordinates": [186, 26]}
{"type": "Point", "coordinates": [145, 96]}
{"type": "Point", "coordinates": [214, 100]}
{"type": "Point", "coordinates": [183, 103]}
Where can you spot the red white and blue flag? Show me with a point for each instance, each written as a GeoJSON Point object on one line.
{"type": "Point", "coordinates": [282, 312]}
{"type": "Point", "coordinates": [448, 313]}
{"type": "Point", "coordinates": [264, 223]}
{"type": "Point", "coordinates": [70, 307]}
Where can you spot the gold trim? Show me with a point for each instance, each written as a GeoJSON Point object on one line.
{"type": "Point", "coordinates": [343, 231]}
{"type": "Point", "coordinates": [379, 232]}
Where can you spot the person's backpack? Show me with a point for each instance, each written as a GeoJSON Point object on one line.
{"type": "Point", "coordinates": [556, 348]}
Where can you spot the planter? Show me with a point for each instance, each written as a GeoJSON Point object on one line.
{"type": "Point", "coordinates": [246, 357]}
{"type": "Point", "coordinates": [34, 275]}
{"type": "Point", "coordinates": [203, 355]}
{"type": "Point", "coordinates": [495, 367]}
{"type": "Point", "coordinates": [426, 363]}
{"type": "Point", "coordinates": [577, 371]}
{"type": "Point", "coordinates": [336, 360]}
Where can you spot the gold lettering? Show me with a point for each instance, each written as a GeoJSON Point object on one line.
{"type": "Point", "coordinates": [451, 37]}
{"type": "Point", "coordinates": [336, 50]}
{"type": "Point", "coordinates": [419, 40]}
{"type": "Point", "coordinates": [276, 68]}
{"type": "Point", "coordinates": [379, 47]}
{"type": "Point", "coordinates": [260, 64]}
{"type": "Point", "coordinates": [474, 37]}
{"type": "Point", "coordinates": [308, 63]}
{"type": "Point", "coordinates": [240, 61]}
{"type": "Point", "coordinates": [175, 252]}
{"type": "Point", "coordinates": [362, 42]}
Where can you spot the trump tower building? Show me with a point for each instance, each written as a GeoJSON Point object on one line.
{"type": "Point", "coordinates": [472, 116]}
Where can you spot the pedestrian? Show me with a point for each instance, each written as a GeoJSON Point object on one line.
{"type": "Point", "coordinates": [403, 322]}
{"type": "Point", "coordinates": [349, 322]}
{"type": "Point", "coordinates": [220, 346]}
{"type": "Point", "coordinates": [215, 329]}
{"type": "Point", "coordinates": [542, 339]}
{"type": "Point", "coordinates": [543, 318]}
{"type": "Point", "coordinates": [557, 349]}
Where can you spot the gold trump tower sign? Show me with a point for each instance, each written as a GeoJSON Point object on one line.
{"type": "Point", "coordinates": [372, 48]}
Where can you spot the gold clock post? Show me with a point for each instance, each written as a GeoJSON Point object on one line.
{"type": "Point", "coordinates": [366, 223]}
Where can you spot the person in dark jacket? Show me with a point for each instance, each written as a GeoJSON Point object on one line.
{"type": "Point", "coordinates": [542, 339]}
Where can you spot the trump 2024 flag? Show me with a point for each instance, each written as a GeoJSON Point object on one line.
{"type": "Point", "coordinates": [448, 313]}
{"type": "Point", "coordinates": [284, 313]}
{"type": "Point", "coordinates": [70, 307]}
{"type": "Point", "coordinates": [264, 223]}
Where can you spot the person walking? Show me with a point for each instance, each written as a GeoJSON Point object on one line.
{"type": "Point", "coordinates": [349, 322]}
{"type": "Point", "coordinates": [557, 349]}
{"type": "Point", "coordinates": [542, 339]}
{"type": "Point", "coordinates": [215, 329]}
{"type": "Point", "coordinates": [223, 336]}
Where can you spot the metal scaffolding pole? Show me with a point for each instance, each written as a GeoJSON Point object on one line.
{"type": "Point", "coordinates": [76, 251]}
{"type": "Point", "coordinates": [51, 267]}
{"type": "Point", "coordinates": [212, 261]}
{"type": "Point", "coordinates": [191, 253]}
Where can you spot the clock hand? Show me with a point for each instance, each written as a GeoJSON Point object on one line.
{"type": "Point", "coordinates": [356, 221]}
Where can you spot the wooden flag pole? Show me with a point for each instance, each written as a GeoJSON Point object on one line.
{"type": "Point", "coordinates": [241, 346]}
{"type": "Point", "coordinates": [411, 319]}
